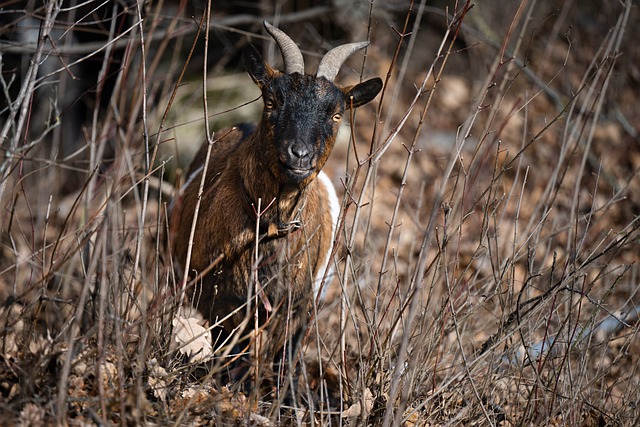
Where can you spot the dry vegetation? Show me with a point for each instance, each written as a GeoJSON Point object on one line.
{"type": "Point", "coordinates": [488, 247]}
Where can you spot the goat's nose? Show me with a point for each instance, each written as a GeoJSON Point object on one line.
{"type": "Point", "coordinates": [299, 151]}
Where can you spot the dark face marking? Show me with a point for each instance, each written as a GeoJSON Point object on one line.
{"type": "Point", "coordinates": [300, 120]}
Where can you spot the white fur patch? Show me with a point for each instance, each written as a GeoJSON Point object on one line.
{"type": "Point", "coordinates": [334, 209]}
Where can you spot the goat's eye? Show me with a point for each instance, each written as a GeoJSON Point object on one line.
{"type": "Point", "coordinates": [336, 117]}
{"type": "Point", "coordinates": [269, 104]}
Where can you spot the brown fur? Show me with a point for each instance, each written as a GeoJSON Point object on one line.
{"type": "Point", "coordinates": [225, 228]}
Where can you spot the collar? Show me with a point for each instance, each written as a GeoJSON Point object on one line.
{"type": "Point", "coordinates": [267, 229]}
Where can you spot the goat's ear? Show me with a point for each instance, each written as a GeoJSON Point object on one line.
{"type": "Point", "coordinates": [362, 93]}
{"type": "Point", "coordinates": [259, 70]}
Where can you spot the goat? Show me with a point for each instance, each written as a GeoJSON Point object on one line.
{"type": "Point", "coordinates": [279, 161]}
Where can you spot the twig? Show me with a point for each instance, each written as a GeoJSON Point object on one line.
{"type": "Point", "coordinates": [20, 106]}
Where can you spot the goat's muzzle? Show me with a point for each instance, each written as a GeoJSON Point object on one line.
{"type": "Point", "coordinates": [298, 161]}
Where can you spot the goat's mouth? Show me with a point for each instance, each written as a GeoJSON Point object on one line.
{"type": "Point", "coordinates": [297, 173]}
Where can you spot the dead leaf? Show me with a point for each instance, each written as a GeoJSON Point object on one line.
{"type": "Point", "coordinates": [109, 373]}
{"type": "Point", "coordinates": [355, 410]}
{"type": "Point", "coordinates": [193, 397]}
{"type": "Point", "coordinates": [11, 346]}
{"type": "Point", "coordinates": [193, 339]}
{"type": "Point", "coordinates": [13, 332]}
{"type": "Point", "coordinates": [32, 415]}
{"type": "Point", "coordinates": [41, 345]}
{"type": "Point", "coordinates": [158, 380]}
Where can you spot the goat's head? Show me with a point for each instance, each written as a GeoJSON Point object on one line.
{"type": "Point", "coordinates": [302, 113]}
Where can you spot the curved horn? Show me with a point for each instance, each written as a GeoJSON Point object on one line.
{"type": "Point", "coordinates": [293, 62]}
{"type": "Point", "coordinates": [333, 60]}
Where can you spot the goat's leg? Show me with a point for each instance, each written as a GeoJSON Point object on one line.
{"type": "Point", "coordinates": [285, 366]}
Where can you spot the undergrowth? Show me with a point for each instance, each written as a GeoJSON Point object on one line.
{"type": "Point", "coordinates": [488, 238]}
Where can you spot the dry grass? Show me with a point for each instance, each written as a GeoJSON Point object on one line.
{"type": "Point", "coordinates": [488, 247]}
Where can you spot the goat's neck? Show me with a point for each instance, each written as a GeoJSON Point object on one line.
{"type": "Point", "coordinates": [278, 203]}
